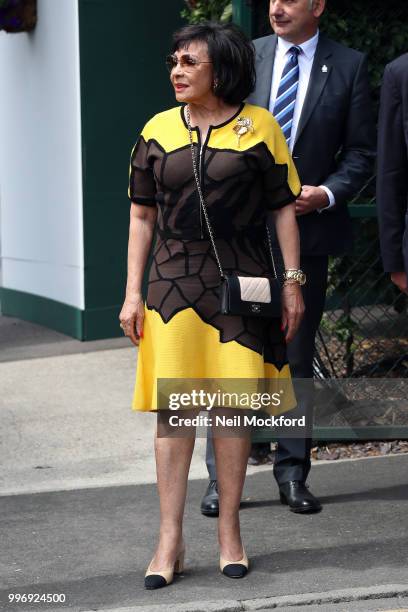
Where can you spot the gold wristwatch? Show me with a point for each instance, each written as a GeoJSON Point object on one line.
{"type": "Point", "coordinates": [298, 276]}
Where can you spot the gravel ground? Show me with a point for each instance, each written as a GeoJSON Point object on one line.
{"type": "Point", "coordinates": [263, 453]}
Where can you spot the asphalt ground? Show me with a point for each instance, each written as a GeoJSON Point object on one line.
{"type": "Point", "coordinates": [93, 545]}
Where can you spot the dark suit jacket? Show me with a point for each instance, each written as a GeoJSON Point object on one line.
{"type": "Point", "coordinates": [392, 174]}
{"type": "Point", "coordinates": [335, 143]}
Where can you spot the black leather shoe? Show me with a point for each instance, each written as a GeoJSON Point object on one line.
{"type": "Point", "coordinates": [210, 501]}
{"type": "Point", "coordinates": [297, 496]}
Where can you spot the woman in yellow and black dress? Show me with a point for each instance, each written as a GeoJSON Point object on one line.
{"type": "Point", "coordinates": [180, 330]}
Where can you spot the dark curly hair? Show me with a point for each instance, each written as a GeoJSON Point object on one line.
{"type": "Point", "coordinates": [232, 55]}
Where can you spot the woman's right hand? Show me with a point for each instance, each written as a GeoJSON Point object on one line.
{"type": "Point", "coordinates": [131, 319]}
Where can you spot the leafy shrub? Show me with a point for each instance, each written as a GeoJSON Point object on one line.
{"type": "Point", "coordinates": [207, 10]}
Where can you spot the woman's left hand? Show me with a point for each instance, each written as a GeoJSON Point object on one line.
{"type": "Point", "coordinates": [293, 309]}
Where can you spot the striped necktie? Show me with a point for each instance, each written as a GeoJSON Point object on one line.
{"type": "Point", "coordinates": [284, 107]}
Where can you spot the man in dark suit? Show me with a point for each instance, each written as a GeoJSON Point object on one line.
{"type": "Point", "coordinates": [392, 174]}
{"type": "Point", "coordinates": [318, 90]}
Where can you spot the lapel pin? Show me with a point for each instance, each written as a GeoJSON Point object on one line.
{"type": "Point", "coordinates": [324, 68]}
{"type": "Point", "coordinates": [242, 126]}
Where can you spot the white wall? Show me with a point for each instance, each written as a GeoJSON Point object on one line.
{"type": "Point", "coordinates": [40, 157]}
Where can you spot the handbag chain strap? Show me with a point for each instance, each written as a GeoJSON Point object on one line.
{"type": "Point", "coordinates": [203, 206]}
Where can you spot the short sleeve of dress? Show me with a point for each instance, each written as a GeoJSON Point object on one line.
{"type": "Point", "coordinates": [142, 186]}
{"type": "Point", "coordinates": [281, 181]}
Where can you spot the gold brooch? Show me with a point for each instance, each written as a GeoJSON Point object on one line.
{"type": "Point", "coordinates": [242, 126]}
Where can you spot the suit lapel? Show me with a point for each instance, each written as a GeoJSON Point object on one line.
{"type": "Point", "coordinates": [320, 72]}
{"type": "Point", "coordinates": [264, 69]}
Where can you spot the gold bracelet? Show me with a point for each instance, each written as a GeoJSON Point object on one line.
{"type": "Point", "coordinates": [297, 275]}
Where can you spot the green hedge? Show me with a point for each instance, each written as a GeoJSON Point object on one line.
{"type": "Point", "coordinates": [207, 10]}
{"type": "Point", "coordinates": [377, 28]}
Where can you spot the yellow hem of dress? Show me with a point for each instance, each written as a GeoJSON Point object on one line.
{"type": "Point", "coordinates": [206, 358]}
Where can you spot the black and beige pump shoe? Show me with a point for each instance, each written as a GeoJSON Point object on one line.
{"type": "Point", "coordinates": [158, 579]}
{"type": "Point", "coordinates": [235, 569]}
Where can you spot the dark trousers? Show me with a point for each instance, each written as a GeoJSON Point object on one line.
{"type": "Point", "coordinates": [292, 459]}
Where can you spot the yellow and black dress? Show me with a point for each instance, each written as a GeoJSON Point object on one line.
{"type": "Point", "coordinates": [185, 336]}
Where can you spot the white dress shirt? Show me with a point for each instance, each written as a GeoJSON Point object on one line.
{"type": "Point", "coordinates": [305, 59]}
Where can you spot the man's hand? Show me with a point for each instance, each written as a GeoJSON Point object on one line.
{"type": "Point", "coordinates": [400, 279]}
{"type": "Point", "coordinates": [311, 199]}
